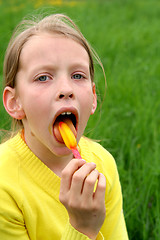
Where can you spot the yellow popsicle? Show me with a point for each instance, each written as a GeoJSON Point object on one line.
{"type": "Point", "coordinates": [67, 135]}
{"type": "Point", "coordinates": [69, 138]}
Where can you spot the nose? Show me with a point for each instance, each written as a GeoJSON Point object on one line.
{"type": "Point", "coordinates": [65, 90]}
{"type": "Point", "coordinates": [65, 95]}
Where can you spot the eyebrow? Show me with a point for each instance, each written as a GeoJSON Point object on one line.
{"type": "Point", "coordinates": [80, 65]}
{"type": "Point", "coordinates": [52, 67]}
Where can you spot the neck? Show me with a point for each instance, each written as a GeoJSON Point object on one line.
{"type": "Point", "coordinates": [57, 166]}
{"type": "Point", "coordinates": [55, 163]}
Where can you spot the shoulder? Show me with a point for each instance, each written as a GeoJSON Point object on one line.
{"type": "Point", "coordinates": [9, 157]}
{"type": "Point", "coordinates": [9, 173]}
{"type": "Point", "coordinates": [90, 146]}
{"type": "Point", "coordinates": [7, 150]}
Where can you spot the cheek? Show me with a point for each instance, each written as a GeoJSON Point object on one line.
{"type": "Point", "coordinates": [34, 105]}
{"type": "Point", "coordinates": [87, 103]}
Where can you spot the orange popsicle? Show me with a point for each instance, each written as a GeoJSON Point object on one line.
{"type": "Point", "coordinates": [69, 139]}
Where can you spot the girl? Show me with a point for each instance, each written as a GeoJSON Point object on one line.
{"type": "Point", "coordinates": [45, 193]}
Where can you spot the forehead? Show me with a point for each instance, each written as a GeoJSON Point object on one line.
{"type": "Point", "coordinates": [45, 44]}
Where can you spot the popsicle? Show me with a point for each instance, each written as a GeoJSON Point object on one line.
{"type": "Point", "coordinates": [69, 139]}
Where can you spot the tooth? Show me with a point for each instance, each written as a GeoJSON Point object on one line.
{"type": "Point", "coordinates": [66, 113]}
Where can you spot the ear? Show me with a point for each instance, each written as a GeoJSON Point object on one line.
{"type": "Point", "coordinates": [94, 105]}
{"type": "Point", "coordinates": [12, 104]}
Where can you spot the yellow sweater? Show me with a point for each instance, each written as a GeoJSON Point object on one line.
{"type": "Point", "coordinates": [29, 195]}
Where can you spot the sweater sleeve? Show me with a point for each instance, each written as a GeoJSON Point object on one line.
{"type": "Point", "coordinates": [114, 222]}
{"type": "Point", "coordinates": [114, 225]}
{"type": "Point", "coordinates": [12, 225]}
{"type": "Point", "coordinates": [71, 233]}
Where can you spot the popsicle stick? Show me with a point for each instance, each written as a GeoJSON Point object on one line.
{"type": "Point", "coordinates": [76, 153]}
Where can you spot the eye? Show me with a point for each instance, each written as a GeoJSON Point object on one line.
{"type": "Point", "coordinates": [77, 76]}
{"type": "Point", "coordinates": [43, 78]}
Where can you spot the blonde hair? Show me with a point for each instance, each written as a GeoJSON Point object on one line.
{"type": "Point", "coordinates": [56, 23]}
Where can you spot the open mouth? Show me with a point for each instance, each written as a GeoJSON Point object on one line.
{"type": "Point", "coordinates": [70, 119]}
{"type": "Point", "coordinates": [65, 116]}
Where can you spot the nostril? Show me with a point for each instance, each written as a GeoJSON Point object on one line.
{"type": "Point", "coordinates": [71, 95]}
{"type": "Point", "coordinates": [61, 96]}
{"type": "Point", "coordinates": [65, 96]}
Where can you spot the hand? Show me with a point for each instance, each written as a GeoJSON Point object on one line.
{"type": "Point", "coordinates": [85, 207]}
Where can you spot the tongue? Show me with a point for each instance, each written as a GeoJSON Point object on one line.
{"type": "Point", "coordinates": [56, 129]}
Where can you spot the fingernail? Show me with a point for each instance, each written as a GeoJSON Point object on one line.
{"type": "Point", "coordinates": [83, 160]}
{"type": "Point", "coordinates": [93, 163]}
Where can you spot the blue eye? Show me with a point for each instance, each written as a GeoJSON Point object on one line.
{"type": "Point", "coordinates": [42, 78]}
{"type": "Point", "coordinates": [77, 76]}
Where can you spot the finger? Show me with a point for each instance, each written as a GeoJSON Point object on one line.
{"type": "Point", "coordinates": [68, 172]}
{"type": "Point", "coordinates": [99, 194]}
{"type": "Point", "coordinates": [89, 185]}
{"type": "Point", "coordinates": [79, 177]}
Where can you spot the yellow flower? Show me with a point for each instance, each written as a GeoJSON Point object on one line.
{"type": "Point", "coordinates": [40, 3]}
{"type": "Point", "coordinates": [138, 145]}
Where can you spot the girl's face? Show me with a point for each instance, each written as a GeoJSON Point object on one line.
{"type": "Point", "coordinates": [53, 79]}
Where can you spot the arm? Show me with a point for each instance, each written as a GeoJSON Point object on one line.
{"type": "Point", "coordinates": [11, 220]}
{"type": "Point", "coordinates": [85, 207]}
{"type": "Point", "coordinates": [114, 225]}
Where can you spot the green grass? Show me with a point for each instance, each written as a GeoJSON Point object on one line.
{"type": "Point", "coordinates": [126, 35]}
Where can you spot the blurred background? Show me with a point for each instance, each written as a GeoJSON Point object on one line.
{"type": "Point", "coordinates": [126, 36]}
